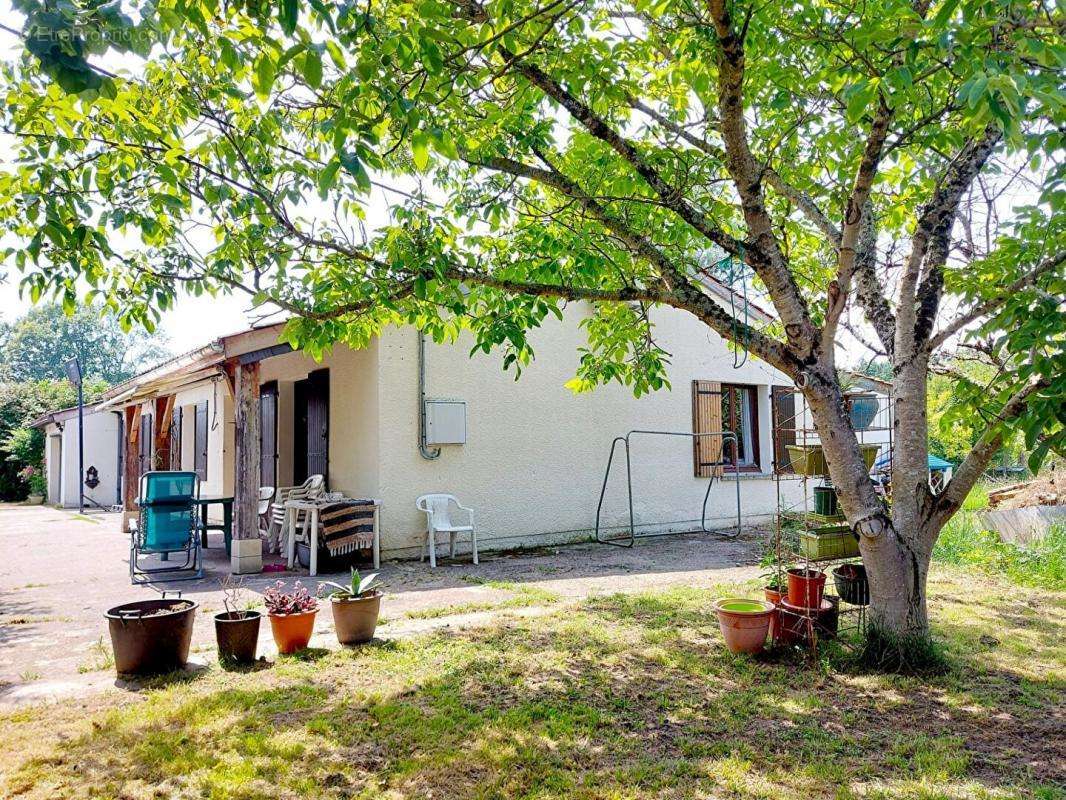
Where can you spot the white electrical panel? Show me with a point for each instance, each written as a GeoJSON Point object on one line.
{"type": "Point", "coordinates": [445, 422]}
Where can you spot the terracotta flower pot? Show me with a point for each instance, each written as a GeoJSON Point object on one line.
{"type": "Point", "coordinates": [356, 618]}
{"type": "Point", "coordinates": [744, 623]}
{"type": "Point", "coordinates": [775, 596]}
{"type": "Point", "coordinates": [805, 626]}
{"type": "Point", "coordinates": [805, 587]}
{"type": "Point", "coordinates": [237, 634]}
{"type": "Point", "coordinates": [292, 632]}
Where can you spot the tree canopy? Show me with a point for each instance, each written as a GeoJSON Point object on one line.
{"type": "Point", "coordinates": [34, 347]}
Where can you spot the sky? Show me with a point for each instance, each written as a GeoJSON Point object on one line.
{"type": "Point", "coordinates": [195, 321]}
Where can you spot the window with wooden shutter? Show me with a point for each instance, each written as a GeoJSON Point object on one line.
{"type": "Point", "coordinates": [783, 405]}
{"type": "Point", "coordinates": [707, 418]}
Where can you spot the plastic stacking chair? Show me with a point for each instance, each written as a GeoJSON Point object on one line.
{"type": "Point", "coordinates": [438, 510]}
{"type": "Point", "coordinates": [166, 526]}
{"type": "Point", "coordinates": [311, 488]}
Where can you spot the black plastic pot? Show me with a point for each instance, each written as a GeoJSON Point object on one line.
{"type": "Point", "coordinates": [151, 636]}
{"type": "Point", "coordinates": [237, 633]}
{"type": "Point", "coordinates": [852, 584]}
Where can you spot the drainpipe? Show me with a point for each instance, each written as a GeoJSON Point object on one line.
{"type": "Point", "coordinates": [427, 453]}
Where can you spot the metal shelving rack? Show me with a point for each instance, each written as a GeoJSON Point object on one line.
{"type": "Point", "coordinates": [797, 525]}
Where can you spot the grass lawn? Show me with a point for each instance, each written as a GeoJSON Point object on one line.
{"type": "Point", "coordinates": [618, 697]}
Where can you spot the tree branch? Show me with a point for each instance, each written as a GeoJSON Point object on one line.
{"type": "Point", "coordinates": [671, 196]}
{"type": "Point", "coordinates": [987, 307]}
{"type": "Point", "coordinates": [930, 241]}
{"type": "Point", "coordinates": [766, 257]}
{"type": "Point", "coordinates": [683, 293]}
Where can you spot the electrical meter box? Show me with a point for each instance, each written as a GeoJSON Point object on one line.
{"type": "Point", "coordinates": [445, 422]}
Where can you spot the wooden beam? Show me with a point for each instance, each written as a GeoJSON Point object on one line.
{"type": "Point", "coordinates": [246, 454]}
{"type": "Point", "coordinates": [130, 466]}
{"type": "Point", "coordinates": [164, 413]}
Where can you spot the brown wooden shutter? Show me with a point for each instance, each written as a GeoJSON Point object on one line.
{"type": "Point", "coordinates": [783, 405]}
{"type": "Point", "coordinates": [707, 418]}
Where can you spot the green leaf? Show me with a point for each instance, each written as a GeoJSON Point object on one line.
{"type": "Point", "coordinates": [311, 68]}
{"type": "Point", "coordinates": [420, 150]}
{"type": "Point", "coordinates": [265, 72]}
{"type": "Point", "coordinates": [288, 14]}
{"type": "Point", "coordinates": [328, 177]}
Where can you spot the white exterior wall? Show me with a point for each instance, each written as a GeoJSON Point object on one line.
{"type": "Point", "coordinates": [219, 433]}
{"type": "Point", "coordinates": [535, 455]}
{"type": "Point", "coordinates": [101, 451]}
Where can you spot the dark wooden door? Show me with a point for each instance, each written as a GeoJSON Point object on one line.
{"type": "Point", "coordinates": [311, 426]}
{"type": "Point", "coordinates": [200, 440]}
{"type": "Point", "coordinates": [268, 434]}
{"type": "Point", "coordinates": [144, 443]}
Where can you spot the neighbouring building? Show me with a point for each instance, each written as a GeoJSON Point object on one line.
{"type": "Point", "coordinates": [101, 480]}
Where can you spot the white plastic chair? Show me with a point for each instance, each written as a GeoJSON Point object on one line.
{"type": "Point", "coordinates": [308, 490]}
{"type": "Point", "coordinates": [438, 511]}
{"type": "Point", "coordinates": [266, 494]}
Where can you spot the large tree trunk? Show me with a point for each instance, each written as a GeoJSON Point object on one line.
{"type": "Point", "coordinates": [895, 545]}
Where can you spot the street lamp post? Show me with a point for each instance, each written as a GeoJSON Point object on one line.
{"type": "Point", "coordinates": [73, 368]}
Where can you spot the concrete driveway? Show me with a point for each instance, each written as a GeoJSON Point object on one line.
{"type": "Point", "coordinates": [62, 570]}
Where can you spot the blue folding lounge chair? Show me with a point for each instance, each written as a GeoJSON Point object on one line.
{"type": "Point", "coordinates": [166, 525]}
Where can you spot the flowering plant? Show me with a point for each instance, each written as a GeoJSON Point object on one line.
{"type": "Point", "coordinates": [280, 603]}
{"type": "Point", "coordinates": [34, 476]}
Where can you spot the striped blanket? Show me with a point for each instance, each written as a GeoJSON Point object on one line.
{"type": "Point", "coordinates": [347, 525]}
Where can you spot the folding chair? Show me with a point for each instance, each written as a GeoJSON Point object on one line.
{"type": "Point", "coordinates": [166, 524]}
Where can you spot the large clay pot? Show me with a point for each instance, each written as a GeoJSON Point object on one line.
{"type": "Point", "coordinates": [292, 632]}
{"type": "Point", "coordinates": [356, 618]}
{"type": "Point", "coordinates": [151, 636]}
{"type": "Point", "coordinates": [744, 623]}
{"type": "Point", "coordinates": [805, 587]}
{"type": "Point", "coordinates": [799, 624]}
{"type": "Point", "coordinates": [237, 633]}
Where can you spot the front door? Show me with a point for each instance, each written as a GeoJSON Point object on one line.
{"type": "Point", "coordinates": [311, 426]}
{"type": "Point", "coordinates": [268, 434]}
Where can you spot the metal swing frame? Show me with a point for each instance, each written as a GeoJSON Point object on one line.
{"type": "Point", "coordinates": [633, 536]}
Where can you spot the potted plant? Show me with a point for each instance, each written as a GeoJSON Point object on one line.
{"type": "Point", "coordinates": [852, 584]}
{"type": "Point", "coordinates": [744, 623]}
{"type": "Point", "coordinates": [810, 459]}
{"type": "Point", "coordinates": [862, 406]}
{"type": "Point", "coordinates": [151, 636]}
{"type": "Point", "coordinates": [355, 608]}
{"type": "Point", "coordinates": [292, 616]}
{"type": "Point", "coordinates": [236, 628]}
{"type": "Point", "coordinates": [805, 587]}
{"type": "Point", "coordinates": [34, 476]}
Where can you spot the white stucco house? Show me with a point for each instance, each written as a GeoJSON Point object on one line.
{"type": "Point", "coordinates": [404, 417]}
{"type": "Point", "coordinates": [101, 480]}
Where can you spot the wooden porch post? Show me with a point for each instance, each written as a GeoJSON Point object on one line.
{"type": "Point", "coordinates": [247, 549]}
{"type": "Point", "coordinates": [131, 473]}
